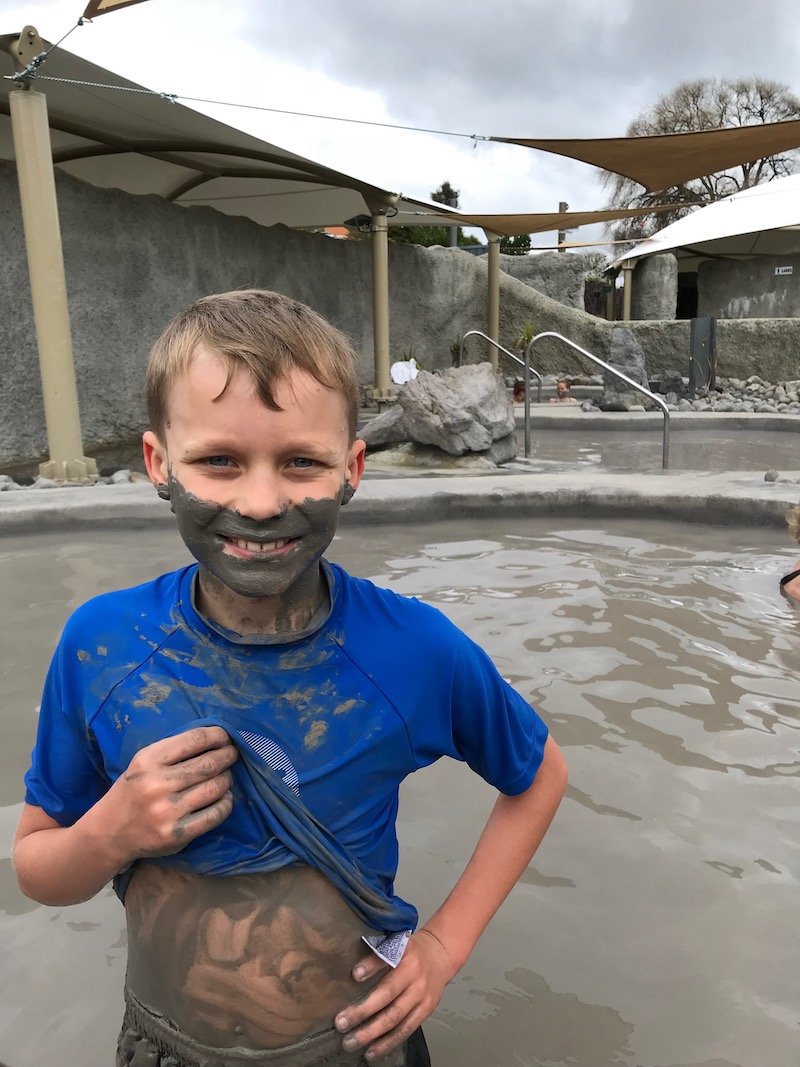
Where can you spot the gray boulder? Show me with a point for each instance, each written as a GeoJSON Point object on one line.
{"type": "Point", "coordinates": [460, 410]}
{"type": "Point", "coordinates": [627, 356]}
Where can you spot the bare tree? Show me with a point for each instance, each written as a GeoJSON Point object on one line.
{"type": "Point", "coordinates": [705, 104]}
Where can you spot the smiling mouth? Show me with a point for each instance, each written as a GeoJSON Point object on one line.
{"type": "Point", "coordinates": [261, 548]}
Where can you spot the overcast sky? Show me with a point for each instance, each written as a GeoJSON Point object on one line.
{"type": "Point", "coordinates": [547, 68]}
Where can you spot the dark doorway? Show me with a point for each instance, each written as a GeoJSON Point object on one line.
{"type": "Point", "coordinates": [687, 295]}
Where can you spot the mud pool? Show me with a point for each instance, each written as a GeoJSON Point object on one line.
{"type": "Point", "coordinates": [637, 448]}
{"type": "Point", "coordinates": [657, 925]}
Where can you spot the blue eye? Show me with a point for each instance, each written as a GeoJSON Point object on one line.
{"type": "Point", "coordinates": [218, 461]}
{"type": "Point", "coordinates": [302, 462]}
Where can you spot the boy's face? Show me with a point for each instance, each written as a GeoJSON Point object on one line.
{"type": "Point", "coordinates": [256, 492]}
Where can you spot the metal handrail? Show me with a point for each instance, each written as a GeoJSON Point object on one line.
{"type": "Point", "coordinates": [605, 366]}
{"type": "Point", "coordinates": [491, 340]}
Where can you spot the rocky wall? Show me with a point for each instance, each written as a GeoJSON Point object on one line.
{"type": "Point", "coordinates": [133, 262]}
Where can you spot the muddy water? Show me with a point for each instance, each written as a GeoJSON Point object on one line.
{"type": "Point", "coordinates": [692, 450]}
{"type": "Point", "coordinates": [657, 926]}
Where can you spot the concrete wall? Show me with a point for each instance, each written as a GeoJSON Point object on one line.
{"type": "Point", "coordinates": [749, 289]}
{"type": "Point", "coordinates": [133, 262]}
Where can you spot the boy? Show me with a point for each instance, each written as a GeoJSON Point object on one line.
{"type": "Point", "coordinates": [227, 742]}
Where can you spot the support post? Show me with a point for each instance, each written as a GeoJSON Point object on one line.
{"type": "Point", "coordinates": [379, 240]}
{"type": "Point", "coordinates": [37, 191]}
{"type": "Point", "coordinates": [562, 234]}
{"type": "Point", "coordinates": [611, 297]}
{"type": "Point", "coordinates": [627, 291]}
{"type": "Point", "coordinates": [493, 295]}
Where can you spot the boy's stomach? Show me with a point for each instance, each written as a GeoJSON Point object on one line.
{"type": "Point", "coordinates": [257, 961]}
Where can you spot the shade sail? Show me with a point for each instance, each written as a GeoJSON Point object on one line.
{"type": "Point", "coordinates": [542, 222]}
{"type": "Point", "coordinates": [764, 220]}
{"type": "Point", "coordinates": [144, 143]}
{"type": "Point", "coordinates": [102, 7]}
{"type": "Point", "coordinates": [661, 161]}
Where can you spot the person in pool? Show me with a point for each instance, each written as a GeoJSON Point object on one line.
{"type": "Point", "coordinates": [790, 582]}
{"type": "Point", "coordinates": [227, 742]}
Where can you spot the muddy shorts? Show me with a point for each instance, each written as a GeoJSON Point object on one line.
{"type": "Point", "coordinates": [149, 1040]}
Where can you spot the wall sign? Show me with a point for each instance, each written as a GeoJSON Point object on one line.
{"type": "Point", "coordinates": [781, 272]}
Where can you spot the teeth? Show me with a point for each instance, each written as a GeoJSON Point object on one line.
{"type": "Point", "coordinates": [258, 546]}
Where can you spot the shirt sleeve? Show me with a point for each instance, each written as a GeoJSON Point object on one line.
{"type": "Point", "coordinates": [495, 731]}
{"type": "Point", "coordinates": [66, 777]}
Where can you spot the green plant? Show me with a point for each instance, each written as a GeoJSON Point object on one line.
{"type": "Point", "coordinates": [526, 335]}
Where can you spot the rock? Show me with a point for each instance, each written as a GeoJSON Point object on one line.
{"type": "Point", "coordinates": [626, 355]}
{"type": "Point", "coordinates": [44, 483]}
{"type": "Point", "coordinates": [120, 477]}
{"type": "Point", "coordinates": [502, 450]}
{"type": "Point", "coordinates": [385, 429]}
{"type": "Point", "coordinates": [771, 476]}
{"type": "Point", "coordinates": [672, 383]}
{"type": "Point", "coordinates": [655, 287]}
{"type": "Point", "coordinates": [615, 403]}
{"type": "Point", "coordinates": [410, 454]}
{"type": "Point", "coordinates": [460, 410]}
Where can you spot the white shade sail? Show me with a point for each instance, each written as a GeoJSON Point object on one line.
{"type": "Point", "coordinates": [764, 220]}
{"type": "Point", "coordinates": [125, 137]}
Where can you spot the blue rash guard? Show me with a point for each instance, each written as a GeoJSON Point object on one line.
{"type": "Point", "coordinates": [327, 726]}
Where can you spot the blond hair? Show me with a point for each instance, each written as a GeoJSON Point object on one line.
{"type": "Point", "coordinates": [267, 333]}
{"type": "Point", "coordinates": [793, 522]}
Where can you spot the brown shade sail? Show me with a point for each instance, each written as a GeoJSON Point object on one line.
{"type": "Point", "coordinates": [662, 160]}
{"type": "Point", "coordinates": [102, 7]}
{"type": "Point", "coordinates": [539, 222]}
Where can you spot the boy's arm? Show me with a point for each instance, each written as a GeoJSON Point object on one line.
{"type": "Point", "coordinates": [407, 995]}
{"type": "Point", "coordinates": [172, 791]}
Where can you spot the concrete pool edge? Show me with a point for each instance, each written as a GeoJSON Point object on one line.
{"type": "Point", "coordinates": [731, 498]}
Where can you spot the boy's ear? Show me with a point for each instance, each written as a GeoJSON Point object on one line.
{"type": "Point", "coordinates": [155, 458]}
{"type": "Point", "coordinates": [355, 463]}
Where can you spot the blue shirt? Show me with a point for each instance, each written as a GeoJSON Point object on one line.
{"type": "Point", "coordinates": [329, 725]}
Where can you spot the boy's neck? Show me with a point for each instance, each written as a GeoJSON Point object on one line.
{"type": "Point", "coordinates": [287, 614]}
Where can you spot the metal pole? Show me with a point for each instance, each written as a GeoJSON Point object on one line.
{"type": "Point", "coordinates": [527, 382]}
{"type": "Point", "coordinates": [493, 296]}
{"type": "Point", "coordinates": [380, 305]}
{"type": "Point", "coordinates": [37, 192]}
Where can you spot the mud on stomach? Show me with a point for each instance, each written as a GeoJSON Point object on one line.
{"type": "Point", "coordinates": [257, 961]}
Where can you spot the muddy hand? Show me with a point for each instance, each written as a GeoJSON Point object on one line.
{"type": "Point", "coordinates": [401, 1001]}
{"type": "Point", "coordinates": [172, 791]}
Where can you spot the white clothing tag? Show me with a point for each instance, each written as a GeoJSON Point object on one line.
{"type": "Point", "coordinates": [388, 947]}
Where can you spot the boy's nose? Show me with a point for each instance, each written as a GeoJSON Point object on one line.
{"type": "Point", "coordinates": [261, 496]}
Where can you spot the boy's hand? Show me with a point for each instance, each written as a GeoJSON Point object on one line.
{"type": "Point", "coordinates": [172, 791]}
{"type": "Point", "coordinates": [401, 1001]}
